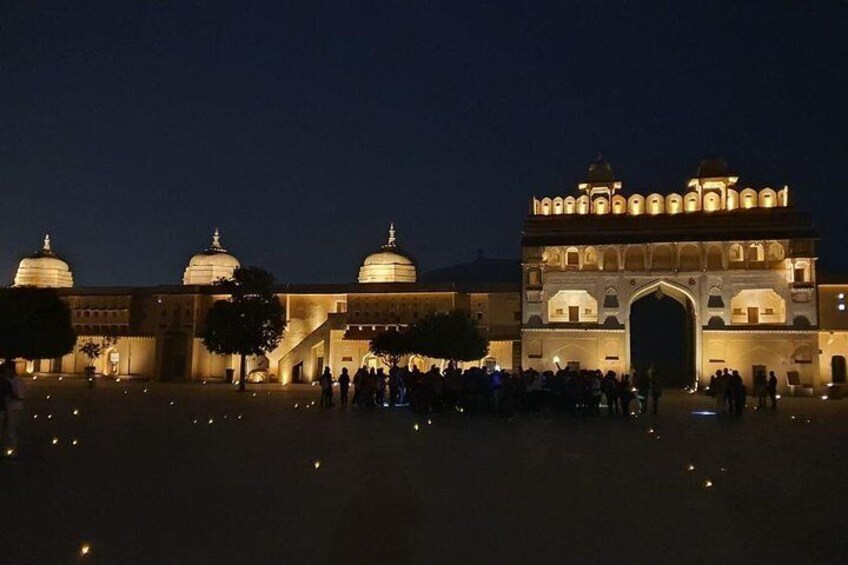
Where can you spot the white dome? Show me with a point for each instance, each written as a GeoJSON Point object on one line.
{"type": "Point", "coordinates": [388, 265]}
{"type": "Point", "coordinates": [44, 269]}
{"type": "Point", "coordinates": [210, 265]}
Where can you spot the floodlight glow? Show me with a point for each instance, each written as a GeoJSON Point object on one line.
{"type": "Point", "coordinates": [703, 413]}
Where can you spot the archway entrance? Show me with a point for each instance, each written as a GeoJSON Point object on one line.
{"type": "Point", "coordinates": [662, 334]}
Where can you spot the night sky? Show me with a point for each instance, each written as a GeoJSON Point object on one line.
{"type": "Point", "coordinates": [129, 130]}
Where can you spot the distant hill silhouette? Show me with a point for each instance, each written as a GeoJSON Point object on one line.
{"type": "Point", "coordinates": [479, 271]}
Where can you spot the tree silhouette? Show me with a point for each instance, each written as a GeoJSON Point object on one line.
{"type": "Point", "coordinates": [453, 336]}
{"type": "Point", "coordinates": [34, 324]}
{"type": "Point", "coordinates": [249, 322]}
{"type": "Point", "coordinates": [390, 346]}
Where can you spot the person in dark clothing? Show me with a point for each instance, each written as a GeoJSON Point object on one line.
{"type": "Point", "coordinates": [738, 392]}
{"type": "Point", "coordinates": [656, 390]}
{"type": "Point", "coordinates": [326, 382]}
{"type": "Point", "coordinates": [344, 385]}
{"type": "Point", "coordinates": [610, 387]}
{"type": "Point", "coordinates": [760, 384]}
{"type": "Point", "coordinates": [625, 395]}
{"type": "Point", "coordinates": [643, 388]}
{"type": "Point", "coordinates": [394, 385]}
{"type": "Point", "coordinates": [771, 388]}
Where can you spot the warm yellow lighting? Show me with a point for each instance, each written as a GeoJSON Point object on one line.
{"type": "Point", "coordinates": [211, 420]}
{"type": "Point", "coordinates": [75, 442]}
{"type": "Point", "coordinates": [690, 467]}
{"type": "Point", "coordinates": [60, 378]}
{"type": "Point", "coordinates": [415, 427]}
{"type": "Point", "coordinates": [85, 549]}
{"type": "Point", "coordinates": [708, 483]}
{"type": "Point", "coordinates": [55, 441]}
{"type": "Point", "coordinates": [296, 404]}
{"type": "Point", "coordinates": [429, 421]}
{"type": "Point", "coordinates": [777, 396]}
{"type": "Point", "coordinates": [47, 397]}
{"type": "Point", "coordinates": [824, 397]}
{"type": "Point", "coordinates": [10, 452]}
{"type": "Point", "coordinates": [76, 412]}
{"type": "Point", "coordinates": [316, 464]}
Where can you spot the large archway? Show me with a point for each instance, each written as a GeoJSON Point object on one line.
{"type": "Point", "coordinates": [662, 331]}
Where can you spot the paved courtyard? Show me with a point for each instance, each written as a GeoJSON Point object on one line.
{"type": "Point", "coordinates": [200, 474]}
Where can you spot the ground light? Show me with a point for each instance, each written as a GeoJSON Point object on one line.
{"type": "Point", "coordinates": [85, 550]}
{"type": "Point", "coordinates": [704, 413]}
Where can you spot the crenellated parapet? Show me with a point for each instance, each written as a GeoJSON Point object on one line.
{"type": "Point", "coordinates": [713, 189]}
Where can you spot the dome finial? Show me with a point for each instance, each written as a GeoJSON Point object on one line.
{"type": "Point", "coordinates": [392, 235]}
{"type": "Point", "coordinates": [216, 239]}
{"type": "Point", "coordinates": [46, 246]}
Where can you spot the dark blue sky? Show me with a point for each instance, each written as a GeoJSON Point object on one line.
{"type": "Point", "coordinates": [129, 130]}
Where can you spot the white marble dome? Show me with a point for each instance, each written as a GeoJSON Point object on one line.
{"type": "Point", "coordinates": [389, 264]}
{"type": "Point", "coordinates": [210, 265]}
{"type": "Point", "coordinates": [44, 269]}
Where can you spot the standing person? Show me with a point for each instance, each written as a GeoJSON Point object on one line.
{"type": "Point", "coordinates": [12, 390]}
{"type": "Point", "coordinates": [381, 387]}
{"type": "Point", "coordinates": [344, 385]}
{"type": "Point", "coordinates": [625, 395]}
{"type": "Point", "coordinates": [739, 393]}
{"type": "Point", "coordinates": [760, 384]}
{"type": "Point", "coordinates": [643, 388]}
{"type": "Point", "coordinates": [656, 390]}
{"type": "Point", "coordinates": [326, 382]}
{"type": "Point", "coordinates": [609, 385]}
{"type": "Point", "coordinates": [771, 387]}
{"type": "Point", "coordinates": [394, 385]}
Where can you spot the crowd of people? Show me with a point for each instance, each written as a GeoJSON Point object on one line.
{"type": "Point", "coordinates": [579, 392]}
{"type": "Point", "coordinates": [730, 393]}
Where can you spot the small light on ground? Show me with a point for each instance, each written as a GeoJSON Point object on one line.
{"type": "Point", "coordinates": [824, 397]}
{"type": "Point", "coordinates": [55, 441]}
{"type": "Point", "coordinates": [76, 412]}
{"type": "Point", "coordinates": [35, 416]}
{"type": "Point", "coordinates": [723, 469]}
{"type": "Point", "coordinates": [316, 464]}
{"type": "Point", "coordinates": [239, 416]}
{"type": "Point", "coordinates": [50, 416]}
{"type": "Point", "coordinates": [690, 467]}
{"type": "Point", "coordinates": [195, 420]}
{"type": "Point", "coordinates": [296, 405]}
{"type": "Point", "coordinates": [650, 430]}
{"type": "Point", "coordinates": [708, 483]}
{"type": "Point", "coordinates": [85, 549]}
{"type": "Point", "coordinates": [415, 427]}
{"type": "Point", "coordinates": [145, 390]}
{"type": "Point", "coordinates": [10, 452]}
{"type": "Point", "coordinates": [210, 421]}
{"type": "Point", "coordinates": [429, 421]}
{"type": "Point", "coordinates": [48, 397]}
{"type": "Point", "coordinates": [171, 403]}
{"type": "Point", "coordinates": [75, 442]}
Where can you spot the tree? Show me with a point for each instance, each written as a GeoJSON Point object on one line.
{"type": "Point", "coordinates": [249, 322]}
{"type": "Point", "coordinates": [453, 336]}
{"type": "Point", "coordinates": [34, 324]}
{"type": "Point", "coordinates": [390, 346]}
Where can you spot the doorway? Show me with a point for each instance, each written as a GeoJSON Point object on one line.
{"type": "Point", "coordinates": [662, 334]}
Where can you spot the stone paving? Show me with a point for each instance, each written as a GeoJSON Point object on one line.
{"type": "Point", "coordinates": [165, 473]}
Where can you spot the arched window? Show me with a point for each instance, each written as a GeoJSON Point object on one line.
{"type": "Point", "coordinates": [611, 259]}
{"type": "Point", "coordinates": [775, 251]}
{"type": "Point", "coordinates": [756, 253]}
{"type": "Point", "coordinates": [634, 258]}
{"type": "Point", "coordinates": [736, 255]}
{"type": "Point", "coordinates": [572, 257]}
{"type": "Point", "coordinates": [714, 258]}
{"type": "Point", "coordinates": [569, 205]}
{"type": "Point", "coordinates": [546, 206]}
{"type": "Point", "coordinates": [689, 258]}
{"type": "Point", "coordinates": [590, 258]}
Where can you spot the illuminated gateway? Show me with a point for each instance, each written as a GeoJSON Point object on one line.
{"type": "Point", "coordinates": [741, 261]}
